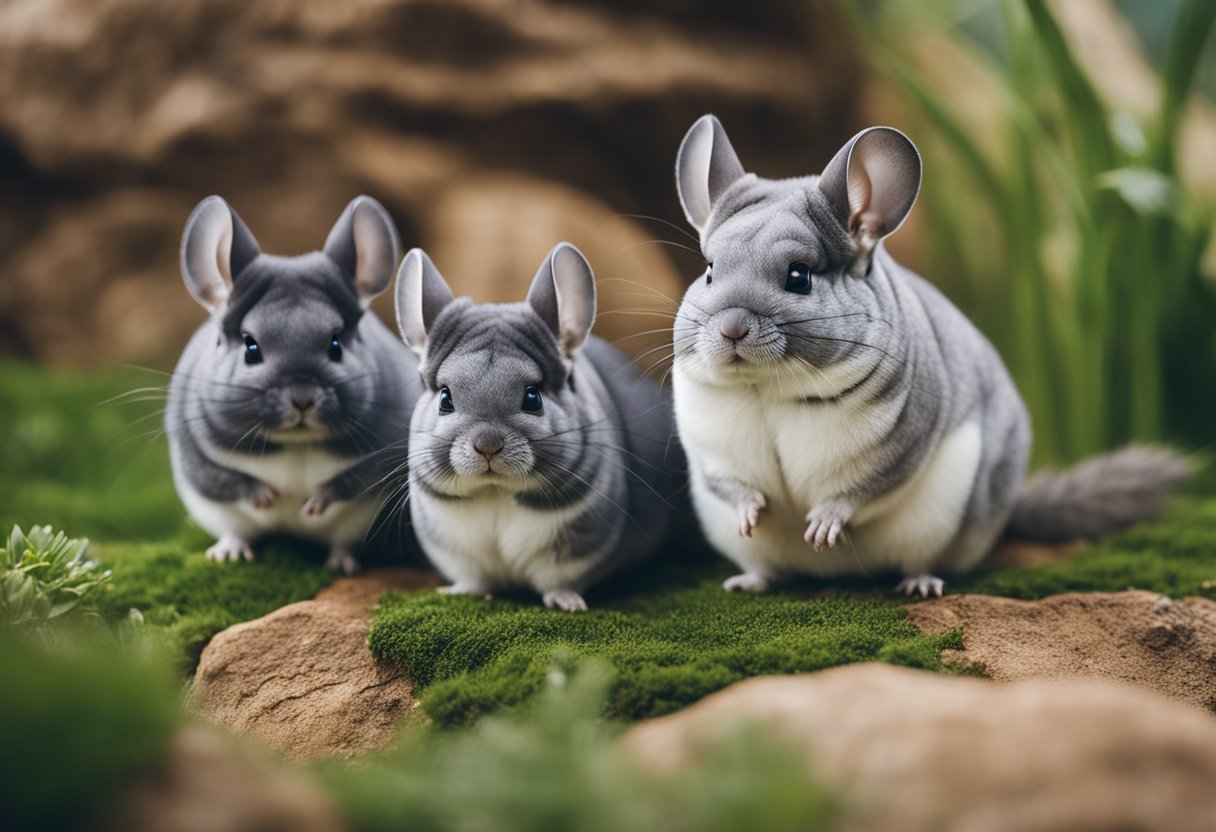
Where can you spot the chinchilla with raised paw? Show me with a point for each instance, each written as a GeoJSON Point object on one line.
{"type": "Point", "coordinates": [540, 457]}
{"type": "Point", "coordinates": [288, 406]}
{"type": "Point", "coordinates": [840, 415]}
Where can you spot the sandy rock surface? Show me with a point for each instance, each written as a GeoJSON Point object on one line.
{"type": "Point", "coordinates": [1140, 637]}
{"type": "Point", "coordinates": [207, 782]}
{"type": "Point", "coordinates": [915, 751]}
{"type": "Point", "coordinates": [302, 679]}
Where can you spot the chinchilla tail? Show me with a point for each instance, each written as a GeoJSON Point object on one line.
{"type": "Point", "coordinates": [1097, 496]}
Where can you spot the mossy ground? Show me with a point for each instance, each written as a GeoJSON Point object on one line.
{"type": "Point", "coordinates": [80, 459]}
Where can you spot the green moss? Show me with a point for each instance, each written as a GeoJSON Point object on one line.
{"type": "Point", "coordinates": [669, 643]}
{"type": "Point", "coordinates": [1175, 557]}
{"type": "Point", "coordinates": [189, 598]}
{"type": "Point", "coordinates": [555, 765]}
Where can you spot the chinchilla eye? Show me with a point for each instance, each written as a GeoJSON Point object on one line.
{"type": "Point", "coordinates": [709, 273]}
{"type": "Point", "coordinates": [253, 353]}
{"type": "Point", "coordinates": [445, 400]}
{"type": "Point", "coordinates": [798, 279]}
{"type": "Point", "coordinates": [532, 402]}
{"type": "Point", "coordinates": [335, 348]}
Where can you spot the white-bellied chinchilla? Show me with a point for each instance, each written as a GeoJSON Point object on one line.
{"type": "Point", "coordinates": [288, 405]}
{"type": "Point", "coordinates": [826, 394]}
{"type": "Point", "coordinates": [540, 456]}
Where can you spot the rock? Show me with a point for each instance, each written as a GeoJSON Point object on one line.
{"type": "Point", "coordinates": [912, 750]}
{"type": "Point", "coordinates": [302, 679]}
{"type": "Point", "coordinates": [291, 108]}
{"type": "Point", "coordinates": [208, 782]}
{"type": "Point", "coordinates": [1136, 636]}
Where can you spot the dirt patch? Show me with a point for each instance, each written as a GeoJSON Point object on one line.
{"type": "Point", "coordinates": [1135, 636]}
{"type": "Point", "coordinates": [302, 679]}
{"type": "Point", "coordinates": [913, 750]}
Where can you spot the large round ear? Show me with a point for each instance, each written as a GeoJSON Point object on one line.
{"type": "Point", "coordinates": [705, 167]}
{"type": "Point", "coordinates": [364, 244]}
{"type": "Point", "coordinates": [420, 296]}
{"type": "Point", "coordinates": [872, 182]}
{"type": "Point", "coordinates": [216, 247]}
{"type": "Point", "coordinates": [563, 294]}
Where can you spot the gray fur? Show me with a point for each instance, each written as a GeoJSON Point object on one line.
{"type": "Point", "coordinates": [235, 428]}
{"type": "Point", "coordinates": [873, 354]}
{"type": "Point", "coordinates": [552, 500]}
{"type": "Point", "coordinates": [1098, 496]}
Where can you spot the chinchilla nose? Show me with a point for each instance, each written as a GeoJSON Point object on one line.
{"type": "Point", "coordinates": [488, 442]}
{"type": "Point", "coordinates": [302, 398]}
{"type": "Point", "coordinates": [734, 324]}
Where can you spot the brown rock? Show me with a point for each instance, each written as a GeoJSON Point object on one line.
{"type": "Point", "coordinates": [912, 751]}
{"type": "Point", "coordinates": [1138, 637]}
{"type": "Point", "coordinates": [208, 782]}
{"type": "Point", "coordinates": [302, 679]}
{"type": "Point", "coordinates": [291, 108]}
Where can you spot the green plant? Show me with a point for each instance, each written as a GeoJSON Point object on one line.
{"type": "Point", "coordinates": [46, 577]}
{"type": "Point", "coordinates": [1069, 233]}
{"type": "Point", "coordinates": [557, 765]}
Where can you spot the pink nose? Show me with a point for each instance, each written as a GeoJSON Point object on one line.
{"type": "Point", "coordinates": [734, 330]}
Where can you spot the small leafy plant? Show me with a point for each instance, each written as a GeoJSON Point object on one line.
{"type": "Point", "coordinates": [45, 577]}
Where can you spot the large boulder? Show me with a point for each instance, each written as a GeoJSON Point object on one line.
{"type": "Point", "coordinates": [302, 680]}
{"type": "Point", "coordinates": [912, 750]}
{"type": "Point", "coordinates": [1135, 636]}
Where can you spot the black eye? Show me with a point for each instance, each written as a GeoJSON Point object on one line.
{"type": "Point", "coordinates": [335, 348]}
{"type": "Point", "coordinates": [709, 273]}
{"type": "Point", "coordinates": [253, 353]}
{"type": "Point", "coordinates": [531, 402]}
{"type": "Point", "coordinates": [445, 400]}
{"type": "Point", "coordinates": [798, 279]}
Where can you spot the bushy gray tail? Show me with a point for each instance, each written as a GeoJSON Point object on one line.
{"type": "Point", "coordinates": [1097, 496]}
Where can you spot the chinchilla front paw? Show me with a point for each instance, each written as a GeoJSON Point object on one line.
{"type": "Point", "coordinates": [749, 508]}
{"type": "Point", "coordinates": [264, 497]}
{"type": "Point", "coordinates": [825, 524]}
{"type": "Point", "coordinates": [317, 503]}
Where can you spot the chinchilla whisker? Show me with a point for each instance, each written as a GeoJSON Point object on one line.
{"type": "Point", "coordinates": [667, 223]}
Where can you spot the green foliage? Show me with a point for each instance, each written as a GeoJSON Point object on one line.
{"type": "Point", "coordinates": [46, 578]}
{"type": "Point", "coordinates": [555, 766]}
{"type": "Point", "coordinates": [670, 643]}
{"type": "Point", "coordinates": [78, 719]}
{"type": "Point", "coordinates": [1176, 557]}
{"type": "Point", "coordinates": [1069, 236]}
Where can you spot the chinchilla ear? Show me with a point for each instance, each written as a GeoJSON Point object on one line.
{"type": "Point", "coordinates": [872, 183]}
{"type": "Point", "coordinates": [705, 167]}
{"type": "Point", "coordinates": [563, 294]}
{"type": "Point", "coordinates": [216, 247]}
{"type": "Point", "coordinates": [421, 295]}
{"type": "Point", "coordinates": [364, 244]}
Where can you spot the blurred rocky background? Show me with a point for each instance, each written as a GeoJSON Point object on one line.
{"type": "Point", "coordinates": [490, 129]}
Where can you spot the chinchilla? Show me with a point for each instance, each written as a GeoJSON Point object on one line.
{"type": "Point", "coordinates": [825, 394]}
{"type": "Point", "coordinates": [288, 405]}
{"type": "Point", "coordinates": [539, 456]}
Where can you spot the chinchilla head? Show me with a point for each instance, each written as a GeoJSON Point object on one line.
{"type": "Point", "coordinates": [288, 362]}
{"type": "Point", "coordinates": [788, 291]}
{"type": "Point", "coordinates": [501, 407]}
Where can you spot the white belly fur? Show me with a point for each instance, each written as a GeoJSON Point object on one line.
{"type": "Point", "coordinates": [491, 541]}
{"type": "Point", "coordinates": [294, 473]}
{"type": "Point", "coordinates": [799, 456]}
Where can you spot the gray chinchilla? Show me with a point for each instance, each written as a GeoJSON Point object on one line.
{"type": "Point", "coordinates": [539, 456]}
{"type": "Point", "coordinates": [288, 404]}
{"type": "Point", "coordinates": [826, 395]}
